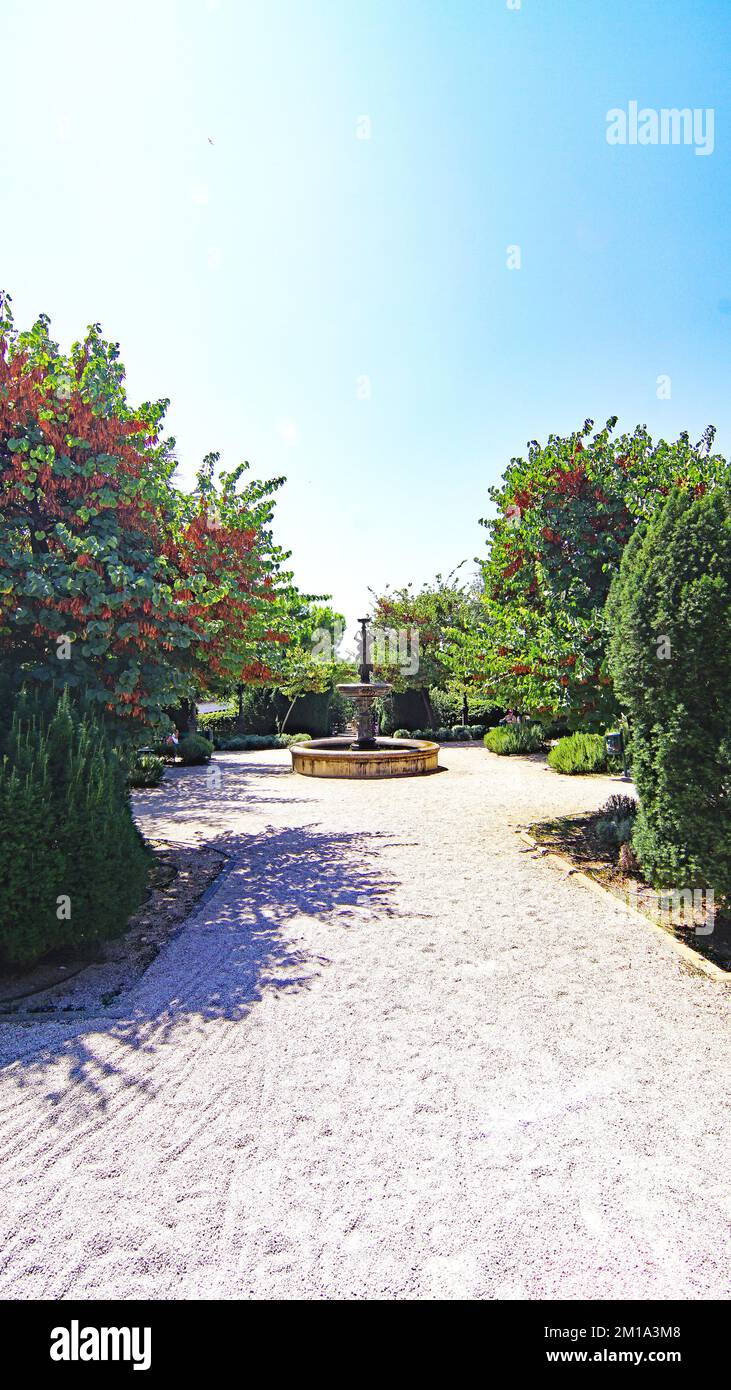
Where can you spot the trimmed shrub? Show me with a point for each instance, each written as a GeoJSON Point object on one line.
{"type": "Point", "coordinates": [669, 613]}
{"type": "Point", "coordinates": [73, 866]}
{"type": "Point", "coordinates": [147, 771]}
{"type": "Point", "coordinates": [402, 733]}
{"type": "Point", "coordinates": [514, 738]}
{"type": "Point", "coordinates": [579, 754]}
{"type": "Point", "coordinates": [461, 733]}
{"type": "Point", "coordinates": [194, 750]}
{"type": "Point", "coordinates": [477, 730]}
{"type": "Point", "coordinates": [443, 735]}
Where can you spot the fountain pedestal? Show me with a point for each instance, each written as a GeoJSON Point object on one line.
{"type": "Point", "coordinates": [364, 693]}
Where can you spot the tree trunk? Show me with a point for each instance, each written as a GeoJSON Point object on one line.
{"type": "Point", "coordinates": [186, 717]}
{"type": "Point", "coordinates": [286, 717]}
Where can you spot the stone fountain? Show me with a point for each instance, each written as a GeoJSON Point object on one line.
{"type": "Point", "coordinates": [364, 692]}
{"type": "Point", "coordinates": [368, 756]}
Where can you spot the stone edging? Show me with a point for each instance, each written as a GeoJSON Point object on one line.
{"type": "Point", "coordinates": [569, 870]}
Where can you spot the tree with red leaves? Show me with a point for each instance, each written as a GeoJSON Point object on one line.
{"type": "Point", "coordinates": [112, 581]}
{"type": "Point", "coordinates": [564, 516]}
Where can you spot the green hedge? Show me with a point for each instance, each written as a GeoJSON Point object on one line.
{"type": "Point", "coordinates": [246, 743]}
{"type": "Point", "coordinates": [669, 612]}
{"type": "Point", "coordinates": [73, 866]}
{"type": "Point", "coordinates": [508, 739]}
{"type": "Point", "coordinates": [578, 754]}
{"type": "Point", "coordinates": [461, 733]}
{"type": "Point", "coordinates": [311, 715]}
{"type": "Point", "coordinates": [264, 710]}
{"type": "Point", "coordinates": [218, 724]}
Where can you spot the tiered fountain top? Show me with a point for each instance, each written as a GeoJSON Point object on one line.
{"type": "Point", "coordinates": [364, 692]}
{"type": "Point", "coordinates": [366, 666]}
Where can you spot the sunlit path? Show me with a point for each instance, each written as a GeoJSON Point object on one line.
{"type": "Point", "coordinates": [392, 1055]}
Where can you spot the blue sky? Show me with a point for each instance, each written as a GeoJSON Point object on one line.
{"type": "Point", "coordinates": [258, 279]}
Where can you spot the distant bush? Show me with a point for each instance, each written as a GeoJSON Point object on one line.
{"type": "Point", "coordinates": [402, 733]}
{"type": "Point", "coordinates": [147, 771]}
{"type": "Point", "coordinates": [578, 754]}
{"type": "Point", "coordinates": [164, 749]}
{"type": "Point", "coordinates": [249, 743]}
{"type": "Point", "coordinates": [555, 728]}
{"type": "Point", "coordinates": [477, 730]}
{"type": "Point", "coordinates": [194, 750]}
{"type": "Point", "coordinates": [514, 738]}
{"type": "Point", "coordinates": [73, 866]}
{"type": "Point", "coordinates": [461, 733]}
{"type": "Point", "coordinates": [443, 735]}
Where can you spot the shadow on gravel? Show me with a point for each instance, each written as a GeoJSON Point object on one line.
{"type": "Point", "coordinates": [229, 786]}
{"type": "Point", "coordinates": [262, 927]}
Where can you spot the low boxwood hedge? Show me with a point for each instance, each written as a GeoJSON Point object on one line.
{"type": "Point", "coordinates": [249, 743]}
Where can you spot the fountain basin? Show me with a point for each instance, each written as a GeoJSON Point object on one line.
{"type": "Point", "coordinates": [391, 757]}
{"type": "Point", "coordinates": [368, 690]}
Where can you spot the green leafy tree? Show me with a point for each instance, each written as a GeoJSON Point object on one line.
{"type": "Point", "coordinates": [427, 619]}
{"type": "Point", "coordinates": [310, 663]}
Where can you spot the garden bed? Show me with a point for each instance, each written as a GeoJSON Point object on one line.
{"type": "Point", "coordinates": [575, 839]}
{"type": "Point", "coordinates": [69, 982]}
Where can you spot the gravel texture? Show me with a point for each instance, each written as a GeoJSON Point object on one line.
{"type": "Point", "coordinates": [391, 1055]}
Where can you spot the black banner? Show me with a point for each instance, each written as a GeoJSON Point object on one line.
{"type": "Point", "coordinates": [159, 1338]}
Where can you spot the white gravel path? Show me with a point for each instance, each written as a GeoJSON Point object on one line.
{"type": "Point", "coordinates": [391, 1056]}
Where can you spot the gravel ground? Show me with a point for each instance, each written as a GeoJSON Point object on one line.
{"type": "Point", "coordinates": [391, 1055]}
